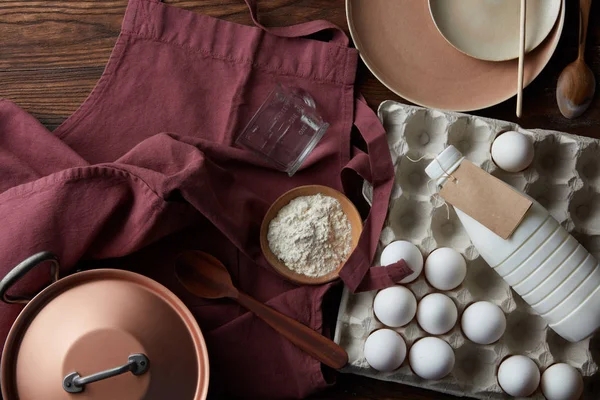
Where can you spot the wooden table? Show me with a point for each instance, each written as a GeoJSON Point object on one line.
{"type": "Point", "coordinates": [52, 52]}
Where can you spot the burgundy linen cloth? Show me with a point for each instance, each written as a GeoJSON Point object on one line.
{"type": "Point", "coordinates": [149, 159]}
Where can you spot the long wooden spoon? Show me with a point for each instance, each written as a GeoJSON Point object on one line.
{"type": "Point", "coordinates": [520, 69]}
{"type": "Point", "coordinates": [576, 84]}
{"type": "Point", "coordinates": [205, 276]}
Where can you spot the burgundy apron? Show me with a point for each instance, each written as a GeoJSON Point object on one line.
{"type": "Point", "coordinates": [149, 158]}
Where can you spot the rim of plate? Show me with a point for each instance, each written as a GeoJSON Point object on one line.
{"type": "Point", "coordinates": [373, 70]}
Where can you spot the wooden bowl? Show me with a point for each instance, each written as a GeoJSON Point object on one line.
{"type": "Point", "coordinates": [309, 190]}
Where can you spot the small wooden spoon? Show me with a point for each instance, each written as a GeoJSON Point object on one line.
{"type": "Point", "coordinates": [205, 276]}
{"type": "Point", "coordinates": [576, 84]}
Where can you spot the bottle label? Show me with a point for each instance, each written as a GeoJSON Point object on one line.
{"type": "Point", "coordinates": [485, 198]}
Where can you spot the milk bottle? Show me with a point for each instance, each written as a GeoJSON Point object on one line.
{"type": "Point", "coordinates": [545, 265]}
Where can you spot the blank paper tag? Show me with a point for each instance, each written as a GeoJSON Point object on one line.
{"type": "Point", "coordinates": [486, 199]}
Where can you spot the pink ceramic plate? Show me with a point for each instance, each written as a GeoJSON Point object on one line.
{"type": "Point", "coordinates": [400, 44]}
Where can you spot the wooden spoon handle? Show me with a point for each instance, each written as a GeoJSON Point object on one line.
{"type": "Point", "coordinates": [584, 17]}
{"type": "Point", "coordinates": [521, 65]}
{"type": "Point", "coordinates": [315, 344]}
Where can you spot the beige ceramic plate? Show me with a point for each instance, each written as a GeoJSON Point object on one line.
{"type": "Point", "coordinates": [489, 29]}
{"type": "Point", "coordinates": [400, 44]}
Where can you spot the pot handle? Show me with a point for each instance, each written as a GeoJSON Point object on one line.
{"type": "Point", "coordinates": [137, 364]}
{"type": "Point", "coordinates": [21, 270]}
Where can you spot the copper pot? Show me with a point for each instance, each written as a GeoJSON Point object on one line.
{"type": "Point", "coordinates": [101, 334]}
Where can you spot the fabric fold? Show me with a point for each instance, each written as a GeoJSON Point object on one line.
{"type": "Point", "coordinates": [108, 189]}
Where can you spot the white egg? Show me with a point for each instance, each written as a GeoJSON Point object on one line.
{"type": "Point", "coordinates": [483, 322]}
{"type": "Point", "coordinates": [431, 358]}
{"type": "Point", "coordinates": [403, 250]}
{"type": "Point", "coordinates": [518, 376]}
{"type": "Point", "coordinates": [437, 313]}
{"type": "Point", "coordinates": [385, 350]}
{"type": "Point", "coordinates": [395, 306]}
{"type": "Point", "coordinates": [562, 382]}
{"type": "Point", "coordinates": [445, 268]}
{"type": "Point", "coordinates": [512, 151]}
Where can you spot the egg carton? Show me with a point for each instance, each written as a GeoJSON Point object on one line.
{"type": "Point", "coordinates": [564, 177]}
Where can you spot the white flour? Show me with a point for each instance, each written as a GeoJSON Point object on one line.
{"type": "Point", "coordinates": [311, 235]}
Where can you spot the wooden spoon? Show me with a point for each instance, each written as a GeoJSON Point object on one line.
{"type": "Point", "coordinates": [520, 68]}
{"type": "Point", "coordinates": [576, 84]}
{"type": "Point", "coordinates": [205, 276]}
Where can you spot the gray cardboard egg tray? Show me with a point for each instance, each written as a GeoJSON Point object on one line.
{"type": "Point", "coordinates": [564, 177]}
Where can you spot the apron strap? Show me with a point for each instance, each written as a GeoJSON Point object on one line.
{"type": "Point", "coordinates": [376, 168]}
{"type": "Point", "coordinates": [300, 30]}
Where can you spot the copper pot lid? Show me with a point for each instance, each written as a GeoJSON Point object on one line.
{"type": "Point", "coordinates": [112, 324]}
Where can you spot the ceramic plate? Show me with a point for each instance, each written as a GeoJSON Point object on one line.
{"type": "Point", "coordinates": [489, 29]}
{"type": "Point", "coordinates": [400, 44]}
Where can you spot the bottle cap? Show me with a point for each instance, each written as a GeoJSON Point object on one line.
{"type": "Point", "coordinates": [444, 163]}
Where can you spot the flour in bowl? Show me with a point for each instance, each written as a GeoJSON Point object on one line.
{"type": "Point", "coordinates": [311, 235]}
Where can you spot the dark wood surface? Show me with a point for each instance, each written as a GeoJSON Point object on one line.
{"type": "Point", "coordinates": [52, 52]}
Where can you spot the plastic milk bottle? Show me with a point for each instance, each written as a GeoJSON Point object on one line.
{"type": "Point", "coordinates": [545, 265]}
